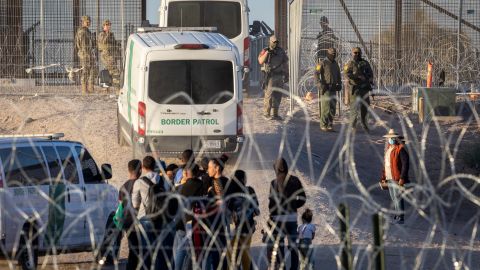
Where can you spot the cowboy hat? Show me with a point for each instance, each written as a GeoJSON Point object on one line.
{"type": "Point", "coordinates": [391, 134]}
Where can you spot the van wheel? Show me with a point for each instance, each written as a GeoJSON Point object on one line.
{"type": "Point", "coordinates": [28, 254]}
{"type": "Point", "coordinates": [120, 138]}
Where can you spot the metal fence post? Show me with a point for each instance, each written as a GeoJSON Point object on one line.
{"type": "Point", "coordinates": [460, 11]}
{"type": "Point", "coordinates": [346, 254]}
{"type": "Point", "coordinates": [42, 37]}
{"type": "Point", "coordinates": [378, 248]}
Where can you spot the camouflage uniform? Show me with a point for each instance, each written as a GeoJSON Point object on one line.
{"type": "Point", "coordinates": [108, 49]}
{"type": "Point", "coordinates": [328, 80]}
{"type": "Point", "coordinates": [84, 42]}
{"type": "Point", "coordinates": [360, 77]}
{"type": "Point", "coordinates": [277, 63]}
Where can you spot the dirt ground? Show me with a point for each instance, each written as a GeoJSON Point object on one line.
{"type": "Point", "coordinates": [334, 167]}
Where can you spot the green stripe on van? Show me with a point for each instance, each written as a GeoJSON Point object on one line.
{"type": "Point", "coordinates": [129, 93]}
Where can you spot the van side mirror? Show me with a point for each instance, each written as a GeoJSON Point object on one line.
{"type": "Point", "coordinates": [106, 171]}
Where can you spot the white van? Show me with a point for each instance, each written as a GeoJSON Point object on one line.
{"type": "Point", "coordinates": [229, 16]}
{"type": "Point", "coordinates": [182, 90]}
{"type": "Point", "coordinates": [52, 196]}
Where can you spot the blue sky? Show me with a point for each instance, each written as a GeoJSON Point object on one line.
{"type": "Point", "coordinates": [261, 10]}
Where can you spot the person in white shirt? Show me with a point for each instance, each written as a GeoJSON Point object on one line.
{"type": "Point", "coordinates": [306, 234]}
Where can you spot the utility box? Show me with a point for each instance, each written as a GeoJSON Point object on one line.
{"type": "Point", "coordinates": [438, 103]}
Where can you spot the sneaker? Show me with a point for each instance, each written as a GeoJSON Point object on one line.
{"type": "Point", "coordinates": [266, 117]}
{"type": "Point", "coordinates": [276, 117]}
{"type": "Point", "coordinates": [324, 129]}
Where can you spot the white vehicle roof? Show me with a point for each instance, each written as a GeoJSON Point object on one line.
{"type": "Point", "coordinates": [168, 40]}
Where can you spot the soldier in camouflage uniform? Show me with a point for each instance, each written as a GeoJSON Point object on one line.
{"type": "Point", "coordinates": [328, 79]}
{"type": "Point", "coordinates": [275, 68]}
{"type": "Point", "coordinates": [360, 78]}
{"type": "Point", "coordinates": [108, 49]}
{"type": "Point", "coordinates": [85, 44]}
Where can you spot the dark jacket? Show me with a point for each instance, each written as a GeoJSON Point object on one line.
{"type": "Point", "coordinates": [290, 200]}
{"type": "Point", "coordinates": [192, 191]}
{"type": "Point", "coordinates": [125, 197]}
{"type": "Point", "coordinates": [399, 163]}
{"type": "Point", "coordinates": [327, 76]}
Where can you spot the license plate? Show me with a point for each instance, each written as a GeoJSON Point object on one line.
{"type": "Point", "coordinates": [213, 144]}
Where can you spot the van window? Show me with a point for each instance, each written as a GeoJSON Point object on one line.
{"type": "Point", "coordinates": [202, 81]}
{"type": "Point", "coordinates": [226, 16]}
{"type": "Point", "coordinates": [53, 164]}
{"type": "Point", "coordinates": [91, 174]}
{"type": "Point", "coordinates": [68, 162]}
{"type": "Point", "coordinates": [24, 166]}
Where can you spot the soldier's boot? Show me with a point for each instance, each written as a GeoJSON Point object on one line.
{"type": "Point", "coordinates": [84, 89]}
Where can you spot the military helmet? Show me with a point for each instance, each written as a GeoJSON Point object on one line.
{"type": "Point", "coordinates": [107, 21]}
{"type": "Point", "coordinates": [323, 20]}
{"type": "Point", "coordinates": [86, 18]}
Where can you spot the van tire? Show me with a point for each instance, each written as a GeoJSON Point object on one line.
{"type": "Point", "coordinates": [120, 137]}
{"type": "Point", "coordinates": [27, 255]}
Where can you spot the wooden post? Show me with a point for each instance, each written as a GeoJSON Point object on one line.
{"type": "Point", "coordinates": [378, 248]}
{"type": "Point", "coordinates": [346, 255]}
{"type": "Point", "coordinates": [421, 110]}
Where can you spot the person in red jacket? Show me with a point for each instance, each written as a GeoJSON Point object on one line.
{"type": "Point", "coordinates": [395, 173]}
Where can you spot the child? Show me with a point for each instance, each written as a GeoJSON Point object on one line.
{"type": "Point", "coordinates": [306, 233]}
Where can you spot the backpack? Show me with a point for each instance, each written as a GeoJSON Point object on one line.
{"type": "Point", "coordinates": [244, 212]}
{"type": "Point", "coordinates": [147, 181]}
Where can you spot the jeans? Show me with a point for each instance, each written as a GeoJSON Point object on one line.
{"type": "Point", "coordinates": [276, 244]}
{"type": "Point", "coordinates": [395, 191]}
{"type": "Point", "coordinates": [157, 245]}
{"type": "Point", "coordinates": [182, 245]}
{"type": "Point", "coordinates": [239, 252]}
{"type": "Point", "coordinates": [359, 103]}
{"type": "Point", "coordinates": [305, 254]}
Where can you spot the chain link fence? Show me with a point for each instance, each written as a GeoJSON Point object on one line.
{"type": "Point", "coordinates": [398, 37]}
{"type": "Point", "coordinates": [37, 46]}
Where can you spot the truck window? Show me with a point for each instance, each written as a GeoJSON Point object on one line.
{"type": "Point", "coordinates": [24, 166]}
{"type": "Point", "coordinates": [226, 16]}
{"type": "Point", "coordinates": [202, 81]}
{"type": "Point", "coordinates": [53, 164]}
{"type": "Point", "coordinates": [91, 174]}
{"type": "Point", "coordinates": [68, 163]}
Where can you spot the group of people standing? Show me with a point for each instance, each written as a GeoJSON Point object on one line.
{"type": "Point", "coordinates": [185, 216]}
{"type": "Point", "coordinates": [87, 44]}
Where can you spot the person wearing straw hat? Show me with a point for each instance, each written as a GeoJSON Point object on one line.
{"type": "Point", "coordinates": [395, 173]}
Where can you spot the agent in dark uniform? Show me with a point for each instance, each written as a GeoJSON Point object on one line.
{"type": "Point", "coordinates": [275, 68]}
{"type": "Point", "coordinates": [360, 78]}
{"type": "Point", "coordinates": [328, 80]}
{"type": "Point", "coordinates": [325, 39]}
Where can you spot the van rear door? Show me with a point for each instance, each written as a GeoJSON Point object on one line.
{"type": "Point", "coordinates": [168, 106]}
{"type": "Point", "coordinates": [214, 103]}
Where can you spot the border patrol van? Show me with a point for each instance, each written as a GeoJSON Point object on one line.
{"type": "Point", "coordinates": [182, 90]}
{"type": "Point", "coordinates": [230, 17]}
{"type": "Point", "coordinates": [53, 198]}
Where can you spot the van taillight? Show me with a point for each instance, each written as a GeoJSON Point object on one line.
{"type": "Point", "coordinates": [240, 119]}
{"type": "Point", "coordinates": [142, 123]}
{"type": "Point", "coordinates": [246, 52]}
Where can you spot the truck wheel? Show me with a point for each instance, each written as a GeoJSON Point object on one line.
{"type": "Point", "coordinates": [120, 137]}
{"type": "Point", "coordinates": [28, 254]}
